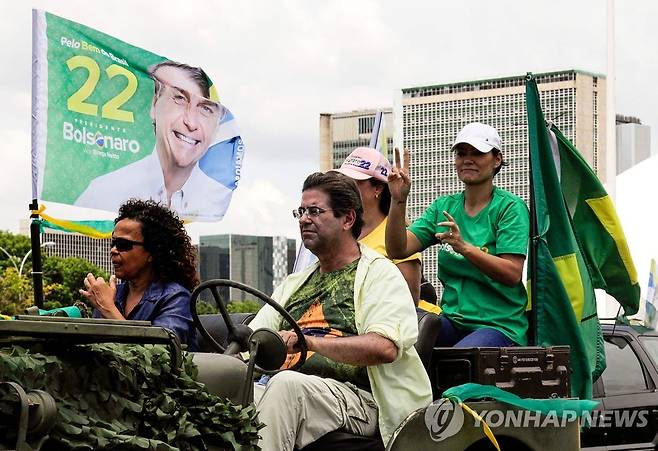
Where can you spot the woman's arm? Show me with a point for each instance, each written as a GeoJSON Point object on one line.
{"type": "Point", "coordinates": [400, 243]}
{"type": "Point", "coordinates": [504, 268]}
{"type": "Point", "coordinates": [410, 270]}
{"type": "Point", "coordinates": [174, 313]}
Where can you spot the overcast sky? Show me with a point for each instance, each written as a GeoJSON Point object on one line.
{"type": "Point", "coordinates": [279, 64]}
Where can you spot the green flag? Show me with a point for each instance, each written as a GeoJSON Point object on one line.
{"type": "Point", "coordinates": [578, 246]}
{"type": "Point", "coordinates": [597, 228]}
{"type": "Point", "coordinates": [103, 116]}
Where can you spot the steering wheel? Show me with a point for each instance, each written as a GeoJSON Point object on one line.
{"type": "Point", "coordinates": [238, 335]}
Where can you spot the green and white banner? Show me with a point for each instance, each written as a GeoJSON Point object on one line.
{"type": "Point", "coordinates": [111, 121]}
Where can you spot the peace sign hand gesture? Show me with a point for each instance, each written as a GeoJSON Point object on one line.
{"type": "Point", "coordinates": [399, 182]}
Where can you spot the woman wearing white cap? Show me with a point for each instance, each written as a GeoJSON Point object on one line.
{"type": "Point", "coordinates": [483, 233]}
{"type": "Point", "coordinates": [370, 169]}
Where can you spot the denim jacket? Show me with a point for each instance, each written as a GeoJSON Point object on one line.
{"type": "Point", "coordinates": [165, 304]}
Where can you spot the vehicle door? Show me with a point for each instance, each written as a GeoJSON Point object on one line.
{"type": "Point", "coordinates": [630, 400]}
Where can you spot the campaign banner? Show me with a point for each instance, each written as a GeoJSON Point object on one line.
{"type": "Point", "coordinates": [111, 121]}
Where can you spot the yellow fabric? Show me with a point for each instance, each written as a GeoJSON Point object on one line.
{"type": "Point", "coordinates": [528, 290]}
{"type": "Point", "coordinates": [214, 96]}
{"type": "Point", "coordinates": [428, 307]}
{"type": "Point", "coordinates": [605, 211]}
{"type": "Point", "coordinates": [70, 225]}
{"type": "Point", "coordinates": [487, 430]}
{"type": "Point", "coordinates": [567, 267]}
{"type": "Point", "coordinates": [383, 305]}
{"type": "Point", "coordinates": [377, 240]}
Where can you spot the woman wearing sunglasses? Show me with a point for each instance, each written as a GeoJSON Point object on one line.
{"type": "Point", "coordinates": [153, 257]}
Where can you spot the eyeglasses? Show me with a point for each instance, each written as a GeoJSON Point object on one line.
{"type": "Point", "coordinates": [311, 212]}
{"type": "Point", "coordinates": [182, 98]}
{"type": "Point", "coordinates": [124, 244]}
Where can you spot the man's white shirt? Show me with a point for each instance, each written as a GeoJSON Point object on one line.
{"type": "Point", "coordinates": [201, 198]}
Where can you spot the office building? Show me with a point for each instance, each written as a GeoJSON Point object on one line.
{"type": "Point", "coordinates": [94, 250]}
{"type": "Point", "coordinates": [261, 262]}
{"type": "Point", "coordinates": [633, 142]}
{"type": "Point", "coordinates": [341, 133]}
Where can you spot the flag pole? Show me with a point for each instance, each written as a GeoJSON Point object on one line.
{"type": "Point", "coordinates": [35, 241]}
{"type": "Point", "coordinates": [610, 173]}
{"type": "Point", "coordinates": [532, 254]}
{"type": "Point", "coordinates": [374, 136]}
{"type": "Point", "coordinates": [35, 223]}
{"type": "Point", "coordinates": [611, 116]}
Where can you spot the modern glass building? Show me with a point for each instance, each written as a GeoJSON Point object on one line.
{"type": "Point", "coordinates": [262, 262]}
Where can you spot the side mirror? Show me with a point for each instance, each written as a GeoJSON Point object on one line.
{"type": "Point", "coordinates": [271, 352]}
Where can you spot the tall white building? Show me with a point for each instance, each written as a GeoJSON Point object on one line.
{"type": "Point", "coordinates": [432, 115]}
{"type": "Point", "coordinates": [341, 133]}
{"type": "Point", "coordinates": [633, 142]}
{"type": "Point", "coordinates": [94, 250]}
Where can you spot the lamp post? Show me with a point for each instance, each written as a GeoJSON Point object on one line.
{"type": "Point", "coordinates": [19, 270]}
{"type": "Point", "coordinates": [46, 244]}
{"type": "Point", "coordinates": [11, 257]}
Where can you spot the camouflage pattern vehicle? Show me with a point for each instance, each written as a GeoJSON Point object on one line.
{"type": "Point", "coordinates": [162, 397]}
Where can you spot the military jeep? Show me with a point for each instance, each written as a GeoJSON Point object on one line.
{"type": "Point", "coordinates": [219, 371]}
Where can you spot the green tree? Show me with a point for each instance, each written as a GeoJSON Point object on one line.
{"type": "Point", "coordinates": [16, 245]}
{"type": "Point", "coordinates": [246, 306]}
{"type": "Point", "coordinates": [15, 292]}
{"type": "Point", "coordinates": [204, 308]}
{"type": "Point", "coordinates": [62, 277]}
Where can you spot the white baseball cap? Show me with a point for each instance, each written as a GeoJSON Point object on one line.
{"type": "Point", "coordinates": [364, 163]}
{"type": "Point", "coordinates": [481, 136]}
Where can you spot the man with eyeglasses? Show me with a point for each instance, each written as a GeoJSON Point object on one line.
{"type": "Point", "coordinates": [186, 123]}
{"type": "Point", "coordinates": [362, 373]}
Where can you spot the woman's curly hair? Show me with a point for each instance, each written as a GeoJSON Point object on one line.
{"type": "Point", "coordinates": [165, 238]}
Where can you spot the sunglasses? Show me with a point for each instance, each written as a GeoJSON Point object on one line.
{"type": "Point", "coordinates": [124, 244]}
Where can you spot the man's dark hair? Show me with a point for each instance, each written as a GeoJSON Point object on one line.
{"type": "Point", "coordinates": [196, 73]}
{"type": "Point", "coordinates": [165, 239]}
{"type": "Point", "coordinates": [343, 195]}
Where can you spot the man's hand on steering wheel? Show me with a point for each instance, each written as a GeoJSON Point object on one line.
{"type": "Point", "coordinates": [292, 342]}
